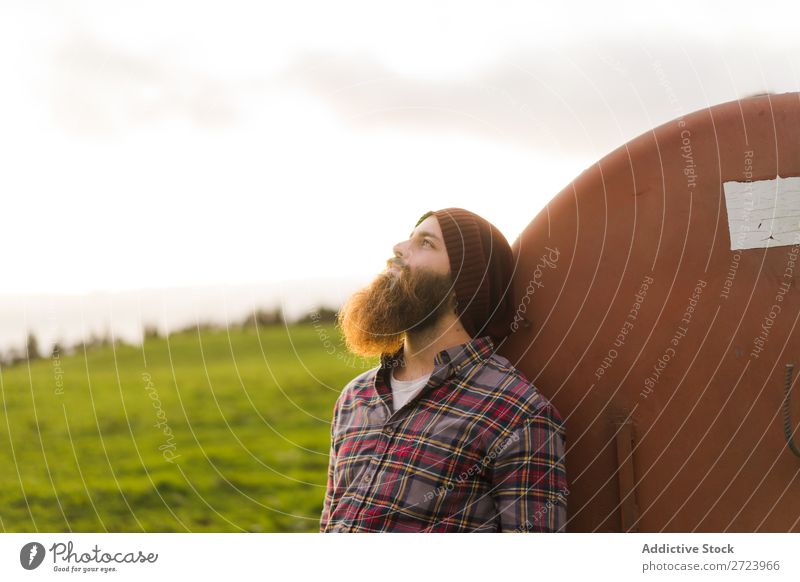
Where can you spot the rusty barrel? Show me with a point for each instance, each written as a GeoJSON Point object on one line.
{"type": "Point", "coordinates": [657, 308]}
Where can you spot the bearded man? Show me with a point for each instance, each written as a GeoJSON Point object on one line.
{"type": "Point", "coordinates": [445, 435]}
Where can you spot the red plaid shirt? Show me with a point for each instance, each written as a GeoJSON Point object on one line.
{"type": "Point", "coordinates": [478, 448]}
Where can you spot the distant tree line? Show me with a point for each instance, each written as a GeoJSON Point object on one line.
{"type": "Point", "coordinates": [258, 318]}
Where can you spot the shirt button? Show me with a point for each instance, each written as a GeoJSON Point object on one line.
{"type": "Point", "coordinates": [368, 477]}
{"type": "Point", "coordinates": [388, 430]}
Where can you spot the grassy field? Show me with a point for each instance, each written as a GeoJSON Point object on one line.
{"type": "Point", "coordinates": [202, 431]}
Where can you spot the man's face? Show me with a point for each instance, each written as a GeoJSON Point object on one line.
{"type": "Point", "coordinates": [411, 294]}
{"type": "Point", "coordinates": [423, 249]}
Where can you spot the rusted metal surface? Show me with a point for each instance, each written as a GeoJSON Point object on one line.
{"type": "Point", "coordinates": [639, 309]}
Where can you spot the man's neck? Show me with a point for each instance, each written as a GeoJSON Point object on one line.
{"type": "Point", "coordinates": [420, 348]}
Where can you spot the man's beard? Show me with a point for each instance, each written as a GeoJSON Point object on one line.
{"type": "Point", "coordinates": [374, 320]}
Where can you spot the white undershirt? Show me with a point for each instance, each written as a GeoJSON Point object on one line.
{"type": "Point", "coordinates": [404, 390]}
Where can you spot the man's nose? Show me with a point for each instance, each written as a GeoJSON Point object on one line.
{"type": "Point", "coordinates": [399, 251]}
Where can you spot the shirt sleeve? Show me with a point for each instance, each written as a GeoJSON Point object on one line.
{"type": "Point", "coordinates": [528, 475]}
{"type": "Point", "coordinates": [328, 502]}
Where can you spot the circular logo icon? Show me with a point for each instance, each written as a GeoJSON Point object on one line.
{"type": "Point", "coordinates": [31, 555]}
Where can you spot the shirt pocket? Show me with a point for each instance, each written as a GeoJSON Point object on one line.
{"type": "Point", "coordinates": [454, 455]}
{"type": "Point", "coordinates": [355, 449]}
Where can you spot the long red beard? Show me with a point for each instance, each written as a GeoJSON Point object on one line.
{"type": "Point", "coordinates": [374, 319]}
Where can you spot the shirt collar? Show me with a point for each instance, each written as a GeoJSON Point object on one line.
{"type": "Point", "coordinates": [453, 358]}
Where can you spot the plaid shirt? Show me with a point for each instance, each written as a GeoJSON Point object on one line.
{"type": "Point", "coordinates": [478, 448]}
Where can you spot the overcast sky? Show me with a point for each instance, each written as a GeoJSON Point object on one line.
{"type": "Point", "coordinates": [158, 144]}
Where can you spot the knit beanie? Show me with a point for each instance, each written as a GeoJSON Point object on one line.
{"type": "Point", "coordinates": [482, 264]}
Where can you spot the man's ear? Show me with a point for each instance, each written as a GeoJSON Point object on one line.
{"type": "Point", "coordinates": [454, 302]}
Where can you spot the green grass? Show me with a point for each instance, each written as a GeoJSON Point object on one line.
{"type": "Point", "coordinates": [249, 411]}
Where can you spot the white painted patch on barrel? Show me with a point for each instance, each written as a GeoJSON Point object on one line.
{"type": "Point", "coordinates": [763, 213]}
